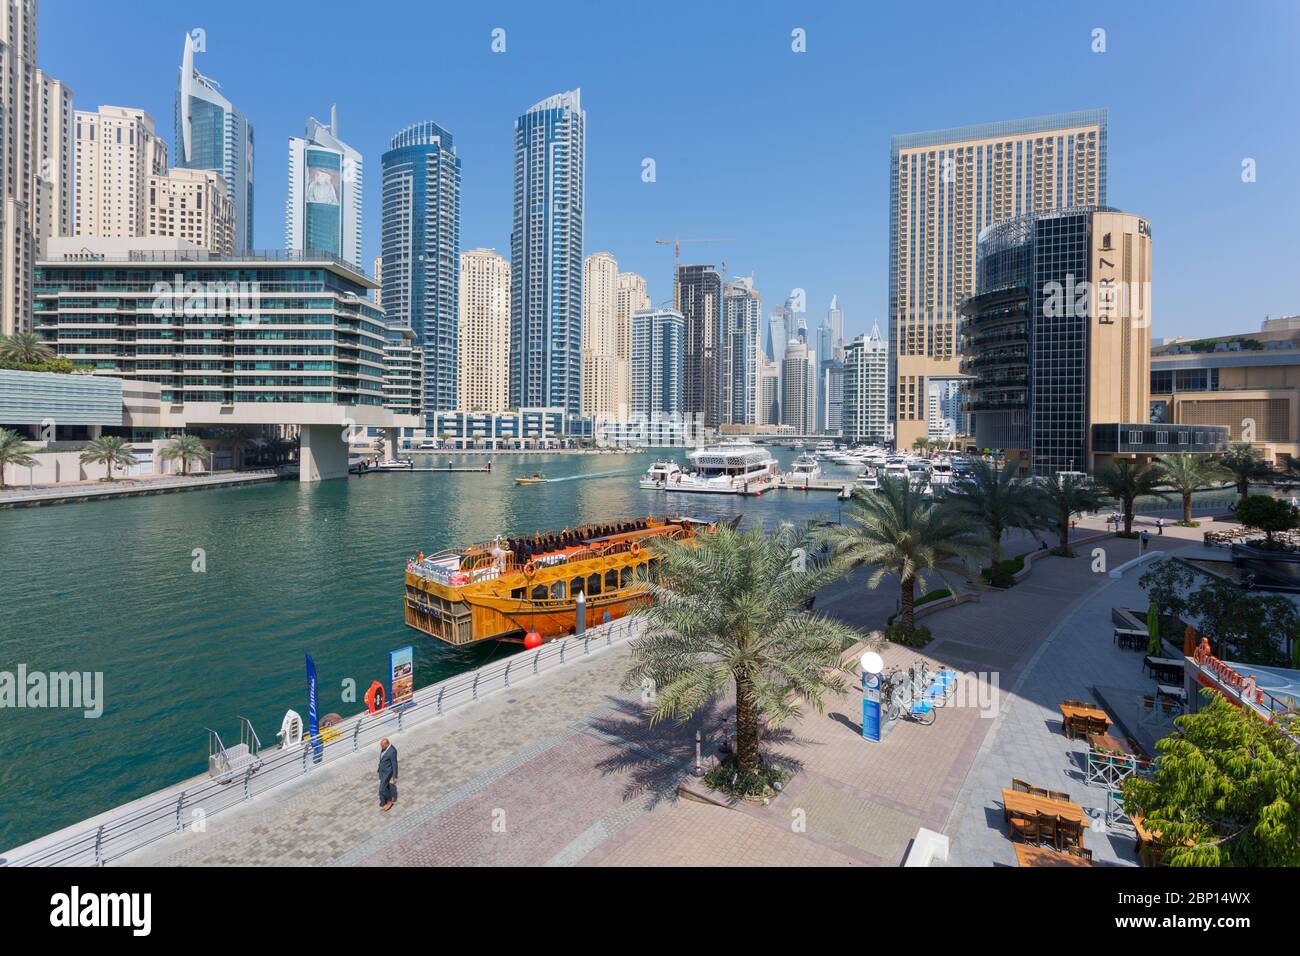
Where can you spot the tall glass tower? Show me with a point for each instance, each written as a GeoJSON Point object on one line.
{"type": "Point", "coordinates": [212, 134]}
{"type": "Point", "coordinates": [323, 212]}
{"type": "Point", "coordinates": [420, 241]}
{"type": "Point", "coordinates": [546, 255]}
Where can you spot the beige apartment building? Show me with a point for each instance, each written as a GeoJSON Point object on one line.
{"type": "Point", "coordinates": [17, 92]}
{"type": "Point", "coordinates": [191, 204]}
{"type": "Point", "coordinates": [54, 143]}
{"type": "Point", "coordinates": [118, 151]}
{"type": "Point", "coordinates": [483, 382]}
{"type": "Point", "coordinates": [630, 297]}
{"type": "Point", "coordinates": [600, 361]}
{"type": "Point", "coordinates": [945, 187]}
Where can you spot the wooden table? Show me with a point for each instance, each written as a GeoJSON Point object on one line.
{"type": "Point", "coordinates": [1027, 855]}
{"type": "Point", "coordinates": [1029, 804]}
{"type": "Point", "coordinates": [1072, 712]}
{"type": "Point", "coordinates": [1108, 741]}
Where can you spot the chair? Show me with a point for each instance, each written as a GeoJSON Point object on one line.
{"type": "Point", "coordinates": [1019, 785]}
{"type": "Point", "coordinates": [1023, 827]}
{"type": "Point", "coordinates": [1068, 833]}
{"type": "Point", "coordinates": [1037, 791]}
{"type": "Point", "coordinates": [1047, 828]}
{"type": "Point", "coordinates": [1097, 725]}
{"type": "Point", "coordinates": [1058, 795]}
{"type": "Point", "coordinates": [1080, 852]}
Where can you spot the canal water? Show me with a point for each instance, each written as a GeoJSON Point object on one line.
{"type": "Point", "coordinates": [290, 569]}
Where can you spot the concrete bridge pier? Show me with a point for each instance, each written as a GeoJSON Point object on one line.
{"type": "Point", "coordinates": [322, 453]}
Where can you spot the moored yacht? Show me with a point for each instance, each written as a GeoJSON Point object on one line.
{"type": "Point", "coordinates": [728, 469]}
{"type": "Point", "coordinates": [660, 474]}
{"type": "Point", "coordinates": [805, 468]}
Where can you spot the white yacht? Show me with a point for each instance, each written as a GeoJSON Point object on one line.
{"type": "Point", "coordinates": [941, 472]}
{"type": "Point", "coordinates": [867, 480]}
{"type": "Point", "coordinates": [805, 468]}
{"type": "Point", "coordinates": [895, 468]}
{"type": "Point", "coordinates": [660, 474]}
{"type": "Point", "coordinates": [728, 469]}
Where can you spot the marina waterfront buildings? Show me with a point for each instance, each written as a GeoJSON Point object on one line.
{"type": "Point", "coordinates": [546, 254]}
{"type": "Point", "coordinates": [799, 387]}
{"type": "Point", "coordinates": [420, 243]}
{"type": "Point", "coordinates": [54, 143]}
{"type": "Point", "coordinates": [866, 390]}
{"type": "Point", "coordinates": [118, 152]}
{"type": "Point", "coordinates": [191, 204]}
{"type": "Point", "coordinates": [324, 210]}
{"type": "Point", "coordinates": [630, 297]}
{"type": "Point", "coordinates": [946, 186]}
{"type": "Point", "coordinates": [601, 372]}
{"type": "Point", "coordinates": [212, 134]}
{"type": "Point", "coordinates": [658, 364]}
{"type": "Point", "coordinates": [19, 140]}
{"type": "Point", "coordinates": [484, 331]}
{"type": "Point", "coordinates": [699, 299]}
{"type": "Point", "coordinates": [742, 356]}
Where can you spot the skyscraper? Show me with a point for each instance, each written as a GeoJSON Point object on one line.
{"type": "Point", "coordinates": [420, 243]}
{"type": "Point", "coordinates": [17, 134]}
{"type": "Point", "coordinates": [212, 134]}
{"type": "Point", "coordinates": [700, 296]}
{"type": "Point", "coordinates": [323, 212]}
{"type": "Point", "coordinates": [866, 389]}
{"type": "Point", "coordinates": [799, 387]}
{"type": "Point", "coordinates": [658, 363]}
{"type": "Point", "coordinates": [944, 187]}
{"type": "Point", "coordinates": [600, 361]}
{"type": "Point", "coordinates": [54, 146]}
{"type": "Point", "coordinates": [484, 330]}
{"type": "Point", "coordinates": [546, 255]}
{"type": "Point", "coordinates": [742, 314]}
{"type": "Point", "coordinates": [118, 149]}
{"type": "Point", "coordinates": [630, 297]}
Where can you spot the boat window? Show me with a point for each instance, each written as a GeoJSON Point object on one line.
{"type": "Point", "coordinates": [557, 590]}
{"type": "Point", "coordinates": [517, 593]}
{"type": "Point", "coordinates": [611, 579]}
{"type": "Point", "coordinates": [539, 592]}
{"type": "Point", "coordinates": [593, 584]}
{"type": "Point", "coordinates": [576, 587]}
{"type": "Point", "coordinates": [627, 576]}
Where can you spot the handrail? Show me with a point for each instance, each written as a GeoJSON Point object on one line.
{"type": "Point", "coordinates": [144, 822]}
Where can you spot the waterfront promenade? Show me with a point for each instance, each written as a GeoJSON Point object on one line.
{"type": "Point", "coordinates": [82, 491]}
{"type": "Point", "coordinates": [563, 769]}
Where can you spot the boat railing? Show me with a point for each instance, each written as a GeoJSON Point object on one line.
{"type": "Point", "coordinates": [186, 807]}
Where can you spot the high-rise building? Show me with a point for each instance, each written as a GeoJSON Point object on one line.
{"type": "Point", "coordinates": [699, 293]}
{"type": "Point", "coordinates": [323, 212]}
{"type": "Point", "coordinates": [630, 297]}
{"type": "Point", "coordinates": [866, 389]}
{"type": "Point", "coordinates": [191, 204]}
{"type": "Point", "coordinates": [403, 371]}
{"type": "Point", "coordinates": [379, 280]}
{"type": "Point", "coordinates": [546, 255]}
{"type": "Point", "coordinates": [769, 392]}
{"type": "Point", "coordinates": [18, 123]}
{"type": "Point", "coordinates": [799, 387]}
{"type": "Point", "coordinates": [1058, 336]}
{"type": "Point", "coordinates": [484, 331]}
{"type": "Point", "coordinates": [118, 150]}
{"type": "Point", "coordinates": [55, 150]}
{"type": "Point", "coordinates": [944, 187]}
{"type": "Point", "coordinates": [600, 362]}
{"type": "Point", "coordinates": [658, 363]}
{"type": "Point", "coordinates": [420, 242]}
{"type": "Point", "coordinates": [742, 315]}
{"type": "Point", "coordinates": [830, 357]}
{"type": "Point", "coordinates": [212, 134]}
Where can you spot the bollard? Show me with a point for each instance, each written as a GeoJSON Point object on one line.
{"type": "Point", "coordinates": [699, 765]}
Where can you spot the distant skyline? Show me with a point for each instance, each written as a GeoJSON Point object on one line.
{"type": "Point", "coordinates": [786, 152]}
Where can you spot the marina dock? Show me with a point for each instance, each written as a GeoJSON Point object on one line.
{"type": "Point", "coordinates": [801, 483]}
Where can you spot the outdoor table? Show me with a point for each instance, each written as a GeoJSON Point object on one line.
{"type": "Point", "coordinates": [1027, 855]}
{"type": "Point", "coordinates": [1109, 742]}
{"type": "Point", "coordinates": [1162, 666]}
{"type": "Point", "coordinates": [1171, 690]}
{"type": "Point", "coordinates": [1029, 804]}
{"type": "Point", "coordinates": [1130, 638]}
{"type": "Point", "coordinates": [1072, 712]}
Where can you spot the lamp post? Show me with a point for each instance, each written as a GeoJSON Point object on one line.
{"type": "Point", "coordinates": [872, 665]}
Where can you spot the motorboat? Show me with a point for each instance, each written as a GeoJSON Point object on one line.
{"type": "Point", "coordinates": [536, 478]}
{"type": "Point", "coordinates": [867, 480]}
{"type": "Point", "coordinates": [805, 468]}
{"type": "Point", "coordinates": [659, 474]}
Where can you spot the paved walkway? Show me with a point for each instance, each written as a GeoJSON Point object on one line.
{"type": "Point", "coordinates": [19, 497]}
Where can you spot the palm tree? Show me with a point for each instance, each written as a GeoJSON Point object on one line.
{"type": "Point", "coordinates": [185, 449]}
{"type": "Point", "coordinates": [897, 531]}
{"type": "Point", "coordinates": [15, 451]}
{"type": "Point", "coordinates": [730, 611]}
{"type": "Point", "coordinates": [1068, 495]}
{"type": "Point", "coordinates": [1126, 480]}
{"type": "Point", "coordinates": [108, 450]}
{"type": "Point", "coordinates": [25, 348]}
{"type": "Point", "coordinates": [237, 441]}
{"type": "Point", "coordinates": [999, 499]}
{"type": "Point", "coordinates": [1245, 466]}
{"type": "Point", "coordinates": [1185, 473]}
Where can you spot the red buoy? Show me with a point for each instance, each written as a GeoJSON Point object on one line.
{"type": "Point", "coordinates": [532, 640]}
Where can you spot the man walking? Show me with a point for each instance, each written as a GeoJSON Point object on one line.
{"type": "Point", "coordinates": [387, 775]}
{"type": "Point", "coordinates": [1160, 526]}
{"type": "Point", "coordinates": [1146, 541]}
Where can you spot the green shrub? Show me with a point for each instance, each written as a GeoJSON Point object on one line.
{"type": "Point", "coordinates": [725, 777]}
{"type": "Point", "coordinates": [918, 637]}
{"type": "Point", "coordinates": [60, 366]}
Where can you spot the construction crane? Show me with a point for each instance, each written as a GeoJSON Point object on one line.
{"type": "Point", "coordinates": [677, 264]}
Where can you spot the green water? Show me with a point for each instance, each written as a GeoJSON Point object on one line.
{"type": "Point", "coordinates": [291, 569]}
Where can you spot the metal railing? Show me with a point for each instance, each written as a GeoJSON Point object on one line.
{"type": "Point", "coordinates": [137, 825]}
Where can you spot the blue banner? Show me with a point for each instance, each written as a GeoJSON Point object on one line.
{"type": "Point", "coordinates": [871, 706]}
{"type": "Point", "coordinates": [311, 709]}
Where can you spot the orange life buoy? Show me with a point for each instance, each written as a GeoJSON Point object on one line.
{"type": "Point", "coordinates": [530, 569]}
{"type": "Point", "coordinates": [635, 549]}
{"type": "Point", "coordinates": [375, 698]}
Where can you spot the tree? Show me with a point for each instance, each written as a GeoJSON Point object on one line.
{"type": "Point", "coordinates": [896, 530]}
{"type": "Point", "coordinates": [185, 449]}
{"type": "Point", "coordinates": [1270, 515]}
{"type": "Point", "coordinates": [999, 499]}
{"type": "Point", "coordinates": [237, 441]}
{"type": "Point", "coordinates": [1127, 481]}
{"type": "Point", "coordinates": [1225, 792]}
{"type": "Point", "coordinates": [14, 451]}
{"type": "Point", "coordinates": [25, 348]}
{"type": "Point", "coordinates": [1244, 626]}
{"type": "Point", "coordinates": [1186, 473]}
{"type": "Point", "coordinates": [1245, 466]}
{"type": "Point", "coordinates": [1168, 584]}
{"type": "Point", "coordinates": [730, 611]}
{"type": "Point", "coordinates": [1068, 495]}
{"type": "Point", "coordinates": [108, 450]}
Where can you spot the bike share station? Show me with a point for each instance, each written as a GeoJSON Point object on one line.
{"type": "Point", "coordinates": [915, 694]}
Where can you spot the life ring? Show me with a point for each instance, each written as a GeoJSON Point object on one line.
{"type": "Point", "coordinates": [375, 697]}
{"type": "Point", "coordinates": [635, 549]}
{"type": "Point", "coordinates": [530, 569]}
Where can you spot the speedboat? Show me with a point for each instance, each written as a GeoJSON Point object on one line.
{"type": "Point", "coordinates": [868, 481]}
{"type": "Point", "coordinates": [805, 468]}
{"type": "Point", "coordinates": [660, 474]}
{"type": "Point", "coordinates": [537, 478]}
{"type": "Point", "coordinates": [396, 464]}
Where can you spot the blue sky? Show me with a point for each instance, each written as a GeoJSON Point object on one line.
{"type": "Point", "coordinates": [786, 152]}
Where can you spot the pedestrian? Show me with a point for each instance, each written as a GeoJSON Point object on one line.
{"type": "Point", "coordinates": [387, 775]}
{"type": "Point", "coordinates": [1160, 526]}
{"type": "Point", "coordinates": [1146, 539]}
